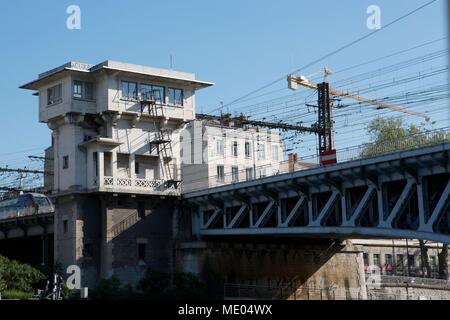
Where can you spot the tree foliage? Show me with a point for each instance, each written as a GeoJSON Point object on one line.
{"type": "Point", "coordinates": [392, 134]}
{"type": "Point", "coordinates": [15, 276]}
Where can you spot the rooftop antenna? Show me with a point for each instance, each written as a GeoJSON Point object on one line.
{"type": "Point", "coordinates": [171, 61]}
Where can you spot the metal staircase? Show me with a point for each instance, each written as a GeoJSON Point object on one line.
{"type": "Point", "coordinates": [162, 142]}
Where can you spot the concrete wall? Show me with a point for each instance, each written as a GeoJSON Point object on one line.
{"type": "Point", "coordinates": [103, 234]}
{"type": "Point", "coordinates": [274, 266]}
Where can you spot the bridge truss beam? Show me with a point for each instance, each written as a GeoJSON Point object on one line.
{"type": "Point", "coordinates": [401, 195]}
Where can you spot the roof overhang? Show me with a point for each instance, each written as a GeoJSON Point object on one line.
{"type": "Point", "coordinates": [146, 73]}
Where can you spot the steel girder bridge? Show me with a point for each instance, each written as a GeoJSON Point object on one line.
{"type": "Point", "coordinates": [398, 195]}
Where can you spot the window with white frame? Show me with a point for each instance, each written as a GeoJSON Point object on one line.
{"type": "Point", "coordinates": [249, 174]}
{"type": "Point", "coordinates": [262, 172]}
{"type": "Point", "coordinates": [220, 173]}
{"type": "Point", "coordinates": [129, 90]}
{"type": "Point", "coordinates": [83, 90]}
{"type": "Point", "coordinates": [54, 94]}
{"type": "Point", "coordinates": [235, 174]}
{"type": "Point", "coordinates": [150, 91]}
{"type": "Point", "coordinates": [275, 152]}
{"type": "Point", "coordinates": [261, 152]}
{"type": "Point", "coordinates": [219, 147]}
{"type": "Point", "coordinates": [234, 149]}
{"type": "Point", "coordinates": [175, 96]}
{"type": "Point", "coordinates": [248, 150]}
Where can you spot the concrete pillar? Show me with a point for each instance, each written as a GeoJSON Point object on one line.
{"type": "Point", "coordinates": [101, 168]}
{"type": "Point", "coordinates": [132, 166]}
{"type": "Point", "coordinates": [114, 164]}
{"type": "Point", "coordinates": [90, 172]}
{"type": "Point", "coordinates": [56, 167]}
{"type": "Point", "coordinates": [106, 242]}
{"type": "Point", "coordinates": [45, 246]}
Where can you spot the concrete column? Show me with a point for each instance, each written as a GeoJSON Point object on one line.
{"type": "Point", "coordinates": [90, 172]}
{"type": "Point", "coordinates": [132, 166]}
{"type": "Point", "coordinates": [101, 168]}
{"type": "Point", "coordinates": [114, 164]}
{"type": "Point", "coordinates": [44, 246]}
{"type": "Point", "coordinates": [56, 167]}
{"type": "Point", "coordinates": [106, 243]}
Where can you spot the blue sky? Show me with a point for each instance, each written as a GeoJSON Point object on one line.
{"type": "Point", "coordinates": [238, 45]}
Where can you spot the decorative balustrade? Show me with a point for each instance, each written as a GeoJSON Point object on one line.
{"type": "Point", "coordinates": [137, 184]}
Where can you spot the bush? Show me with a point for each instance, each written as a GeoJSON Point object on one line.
{"type": "Point", "coordinates": [156, 285]}
{"type": "Point", "coordinates": [15, 276]}
{"type": "Point", "coordinates": [16, 294]}
{"type": "Point", "coordinates": [111, 289]}
{"type": "Point", "coordinates": [188, 286]}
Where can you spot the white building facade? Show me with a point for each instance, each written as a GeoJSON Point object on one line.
{"type": "Point", "coordinates": [116, 126]}
{"type": "Point", "coordinates": [215, 154]}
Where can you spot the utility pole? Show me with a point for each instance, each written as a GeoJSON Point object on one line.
{"type": "Point", "coordinates": [325, 121]}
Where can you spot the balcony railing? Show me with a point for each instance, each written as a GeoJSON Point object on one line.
{"type": "Point", "coordinates": [137, 184]}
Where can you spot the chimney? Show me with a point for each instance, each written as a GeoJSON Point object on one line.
{"type": "Point", "coordinates": [293, 158]}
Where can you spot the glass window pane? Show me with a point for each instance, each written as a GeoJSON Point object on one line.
{"type": "Point", "coordinates": [89, 90]}
{"type": "Point", "coordinates": [158, 93]}
{"type": "Point", "coordinates": [78, 89]}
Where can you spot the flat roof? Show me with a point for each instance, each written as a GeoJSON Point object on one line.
{"type": "Point", "coordinates": [160, 74]}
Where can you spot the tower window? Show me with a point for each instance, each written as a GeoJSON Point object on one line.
{"type": "Point", "coordinates": [83, 90]}
{"type": "Point", "coordinates": [66, 162]}
{"type": "Point", "coordinates": [141, 251]}
{"type": "Point", "coordinates": [54, 95]}
{"type": "Point", "coordinates": [175, 96]}
{"type": "Point", "coordinates": [129, 90]}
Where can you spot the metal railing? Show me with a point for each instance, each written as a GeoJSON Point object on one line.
{"type": "Point", "coordinates": [255, 292]}
{"type": "Point", "coordinates": [364, 151]}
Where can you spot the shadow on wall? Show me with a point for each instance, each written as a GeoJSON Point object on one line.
{"type": "Point", "coordinates": [141, 238]}
{"type": "Point", "coordinates": [276, 271]}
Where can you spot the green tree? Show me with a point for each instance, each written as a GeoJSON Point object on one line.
{"type": "Point", "coordinates": [390, 135]}
{"type": "Point", "coordinates": [15, 276]}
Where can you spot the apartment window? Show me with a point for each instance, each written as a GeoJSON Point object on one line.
{"type": "Point", "coordinates": [433, 262]}
{"type": "Point", "coordinates": [219, 146]}
{"type": "Point", "coordinates": [262, 172]}
{"type": "Point", "coordinates": [220, 173]}
{"type": "Point", "coordinates": [275, 152]}
{"type": "Point", "coordinates": [83, 90]}
{"type": "Point", "coordinates": [129, 90]}
{"type": "Point", "coordinates": [150, 91]}
{"type": "Point", "coordinates": [400, 261]}
{"type": "Point", "coordinates": [388, 259]}
{"type": "Point", "coordinates": [261, 152]}
{"type": "Point", "coordinates": [249, 174]}
{"type": "Point", "coordinates": [411, 261]}
{"type": "Point", "coordinates": [65, 226]}
{"type": "Point", "coordinates": [54, 94]}
{"type": "Point", "coordinates": [66, 162]}
{"type": "Point", "coordinates": [248, 150]}
{"type": "Point", "coordinates": [366, 259]}
{"type": "Point", "coordinates": [376, 260]}
{"type": "Point", "coordinates": [141, 251]}
{"type": "Point", "coordinates": [235, 174]}
{"type": "Point", "coordinates": [234, 149]}
{"type": "Point", "coordinates": [175, 96]}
